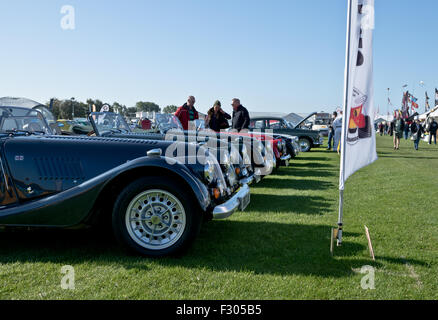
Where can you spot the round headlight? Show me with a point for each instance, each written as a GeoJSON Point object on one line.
{"type": "Point", "coordinates": [231, 175]}
{"type": "Point", "coordinates": [244, 149]}
{"type": "Point", "coordinates": [225, 159]}
{"type": "Point", "coordinates": [209, 173]}
{"type": "Point", "coordinates": [234, 155]}
{"type": "Point", "coordinates": [260, 147]}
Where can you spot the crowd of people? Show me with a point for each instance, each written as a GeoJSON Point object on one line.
{"type": "Point", "coordinates": [217, 118]}
{"type": "Point", "coordinates": [399, 128]}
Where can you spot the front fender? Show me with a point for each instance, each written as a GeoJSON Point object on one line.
{"type": "Point", "coordinates": [71, 207]}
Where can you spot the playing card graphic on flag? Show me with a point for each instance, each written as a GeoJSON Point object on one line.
{"type": "Point", "coordinates": [358, 136]}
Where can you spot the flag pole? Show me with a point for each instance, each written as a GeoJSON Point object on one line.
{"type": "Point", "coordinates": [344, 125]}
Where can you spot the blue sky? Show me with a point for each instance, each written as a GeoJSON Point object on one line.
{"type": "Point", "coordinates": [279, 56]}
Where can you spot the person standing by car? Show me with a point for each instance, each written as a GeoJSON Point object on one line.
{"type": "Point", "coordinates": [331, 131]}
{"type": "Point", "coordinates": [417, 130]}
{"type": "Point", "coordinates": [337, 126]}
{"type": "Point", "coordinates": [240, 116]}
{"type": "Point", "coordinates": [398, 130]}
{"type": "Point", "coordinates": [217, 118]}
{"type": "Point", "coordinates": [433, 127]}
{"type": "Point", "coordinates": [187, 112]}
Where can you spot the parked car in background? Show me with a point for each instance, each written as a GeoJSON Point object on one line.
{"type": "Point", "coordinates": [308, 139]}
{"type": "Point", "coordinates": [31, 104]}
{"type": "Point", "coordinates": [109, 124]}
{"type": "Point", "coordinates": [155, 204]}
{"type": "Point", "coordinates": [290, 145]}
{"type": "Point", "coordinates": [251, 150]}
{"type": "Point", "coordinates": [320, 121]}
{"type": "Point", "coordinates": [72, 127]}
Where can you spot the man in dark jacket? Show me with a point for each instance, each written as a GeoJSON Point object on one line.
{"type": "Point", "coordinates": [433, 127]}
{"type": "Point", "coordinates": [187, 112]}
{"type": "Point", "coordinates": [331, 134]}
{"type": "Point", "coordinates": [240, 116]}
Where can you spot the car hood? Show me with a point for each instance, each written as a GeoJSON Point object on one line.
{"type": "Point", "coordinates": [304, 120]}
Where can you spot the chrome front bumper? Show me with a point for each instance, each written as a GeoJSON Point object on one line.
{"type": "Point", "coordinates": [285, 160]}
{"type": "Point", "coordinates": [247, 180]}
{"type": "Point", "coordinates": [238, 202]}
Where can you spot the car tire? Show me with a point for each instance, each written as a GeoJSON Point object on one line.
{"type": "Point", "coordinates": [305, 144]}
{"type": "Point", "coordinates": [154, 217]}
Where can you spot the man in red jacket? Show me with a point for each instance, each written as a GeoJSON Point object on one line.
{"type": "Point", "coordinates": [187, 112]}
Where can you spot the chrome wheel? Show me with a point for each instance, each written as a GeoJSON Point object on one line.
{"type": "Point", "coordinates": [304, 145]}
{"type": "Point", "coordinates": [155, 219]}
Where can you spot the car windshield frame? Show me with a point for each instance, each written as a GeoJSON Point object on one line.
{"type": "Point", "coordinates": [99, 128]}
{"type": "Point", "coordinates": [166, 121]}
{"type": "Point", "coordinates": [22, 117]}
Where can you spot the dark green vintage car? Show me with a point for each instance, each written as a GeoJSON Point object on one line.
{"type": "Point", "coordinates": [308, 139]}
{"type": "Point", "coordinates": [154, 200]}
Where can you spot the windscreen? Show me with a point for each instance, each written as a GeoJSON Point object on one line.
{"type": "Point", "coordinates": [109, 122]}
{"type": "Point", "coordinates": [166, 122]}
{"type": "Point", "coordinates": [15, 119]}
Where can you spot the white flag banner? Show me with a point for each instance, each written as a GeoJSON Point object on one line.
{"type": "Point", "coordinates": [358, 139]}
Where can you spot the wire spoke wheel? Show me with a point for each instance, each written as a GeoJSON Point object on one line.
{"type": "Point", "coordinates": [304, 145]}
{"type": "Point", "coordinates": [155, 219]}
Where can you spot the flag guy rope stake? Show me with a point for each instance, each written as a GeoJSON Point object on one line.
{"type": "Point", "coordinates": [358, 140]}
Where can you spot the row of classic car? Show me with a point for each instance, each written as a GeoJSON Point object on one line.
{"type": "Point", "coordinates": [153, 187]}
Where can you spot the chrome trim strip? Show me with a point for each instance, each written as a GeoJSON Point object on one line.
{"type": "Point", "coordinates": [247, 180]}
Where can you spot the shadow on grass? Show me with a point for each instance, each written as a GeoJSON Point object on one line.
{"type": "Point", "coordinates": [311, 165]}
{"type": "Point", "coordinates": [290, 204]}
{"type": "Point", "coordinates": [401, 261]}
{"type": "Point", "coordinates": [297, 184]}
{"type": "Point", "coordinates": [58, 246]}
{"type": "Point", "coordinates": [223, 246]}
{"type": "Point", "coordinates": [407, 157]}
{"type": "Point", "coordinates": [296, 171]}
{"type": "Point", "coordinates": [259, 247]}
{"type": "Point", "coordinates": [303, 158]}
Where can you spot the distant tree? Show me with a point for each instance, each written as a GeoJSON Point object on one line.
{"type": "Point", "coordinates": [96, 102]}
{"type": "Point", "coordinates": [118, 108]}
{"type": "Point", "coordinates": [147, 106]}
{"type": "Point", "coordinates": [56, 107]}
{"type": "Point", "coordinates": [170, 109]}
{"type": "Point", "coordinates": [131, 111]}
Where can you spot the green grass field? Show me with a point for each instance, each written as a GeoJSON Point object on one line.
{"type": "Point", "coordinates": [277, 249]}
